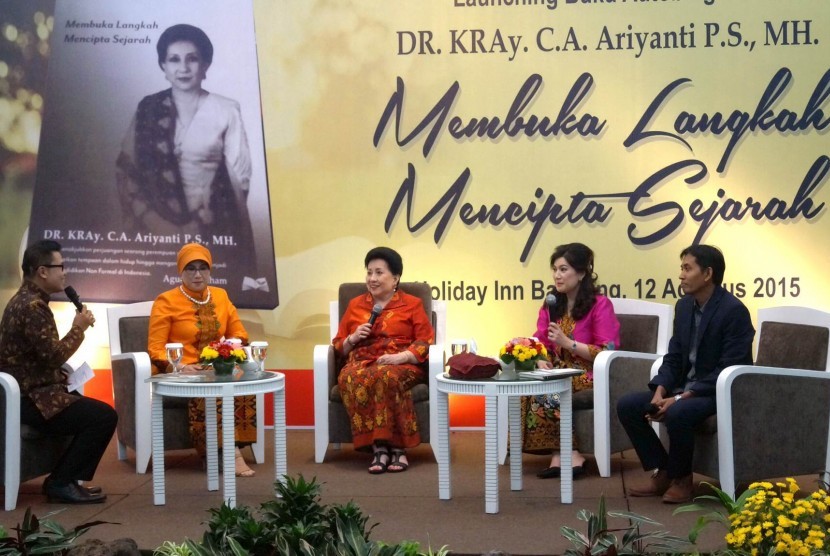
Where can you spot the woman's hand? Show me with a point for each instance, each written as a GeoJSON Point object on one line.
{"type": "Point", "coordinates": [544, 364]}
{"type": "Point", "coordinates": [361, 333]}
{"type": "Point", "coordinates": [192, 368]}
{"type": "Point", "coordinates": [396, 358]}
{"type": "Point", "coordinates": [558, 337]}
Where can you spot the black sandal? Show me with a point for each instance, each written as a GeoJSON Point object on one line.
{"type": "Point", "coordinates": [396, 461]}
{"type": "Point", "coordinates": [377, 462]}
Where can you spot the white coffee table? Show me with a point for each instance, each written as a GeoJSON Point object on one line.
{"type": "Point", "coordinates": [492, 390]}
{"type": "Point", "coordinates": [207, 385]}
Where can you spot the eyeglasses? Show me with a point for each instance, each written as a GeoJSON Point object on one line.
{"type": "Point", "coordinates": [60, 266]}
{"type": "Point", "coordinates": [192, 271]}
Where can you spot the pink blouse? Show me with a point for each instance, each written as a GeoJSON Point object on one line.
{"type": "Point", "coordinates": [600, 328]}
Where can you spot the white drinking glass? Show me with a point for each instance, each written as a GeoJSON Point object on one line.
{"type": "Point", "coordinates": [458, 346]}
{"type": "Point", "coordinates": [175, 352]}
{"type": "Point", "coordinates": [259, 350]}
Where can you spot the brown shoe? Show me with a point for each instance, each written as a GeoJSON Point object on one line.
{"type": "Point", "coordinates": [657, 484]}
{"type": "Point", "coordinates": [681, 490]}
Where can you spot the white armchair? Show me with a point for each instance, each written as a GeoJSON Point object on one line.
{"type": "Point", "coordinates": [773, 419]}
{"type": "Point", "coordinates": [645, 330]}
{"type": "Point", "coordinates": [128, 330]}
{"type": "Point", "coordinates": [24, 452]}
{"type": "Point", "coordinates": [331, 423]}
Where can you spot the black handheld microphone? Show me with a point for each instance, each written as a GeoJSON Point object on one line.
{"type": "Point", "coordinates": [375, 313]}
{"type": "Point", "coordinates": [74, 298]}
{"type": "Point", "coordinates": [550, 301]}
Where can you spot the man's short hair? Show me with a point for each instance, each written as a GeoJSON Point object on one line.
{"type": "Point", "coordinates": [708, 256]}
{"type": "Point", "coordinates": [37, 255]}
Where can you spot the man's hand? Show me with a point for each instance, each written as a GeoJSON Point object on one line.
{"type": "Point", "coordinates": [661, 403]}
{"type": "Point", "coordinates": [83, 319]}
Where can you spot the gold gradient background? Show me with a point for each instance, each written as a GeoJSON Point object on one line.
{"type": "Point", "coordinates": [328, 68]}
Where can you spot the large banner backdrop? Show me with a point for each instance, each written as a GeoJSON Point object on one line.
{"type": "Point", "coordinates": [127, 173]}
{"type": "Point", "coordinates": [476, 135]}
{"type": "Point", "coordinates": [473, 136]}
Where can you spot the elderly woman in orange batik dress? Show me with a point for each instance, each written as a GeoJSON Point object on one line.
{"type": "Point", "coordinates": [383, 363]}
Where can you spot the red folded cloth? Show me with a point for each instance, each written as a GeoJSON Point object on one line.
{"type": "Point", "coordinates": [470, 366]}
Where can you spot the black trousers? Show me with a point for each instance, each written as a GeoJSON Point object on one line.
{"type": "Point", "coordinates": [89, 421]}
{"type": "Point", "coordinates": [681, 420]}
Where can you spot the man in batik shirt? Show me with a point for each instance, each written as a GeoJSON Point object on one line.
{"type": "Point", "coordinates": [33, 353]}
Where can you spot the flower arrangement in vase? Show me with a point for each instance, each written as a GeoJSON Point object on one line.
{"type": "Point", "coordinates": [222, 356]}
{"type": "Point", "coordinates": [523, 353]}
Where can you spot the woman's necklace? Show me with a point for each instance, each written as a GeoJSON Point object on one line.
{"type": "Point", "coordinates": [193, 299]}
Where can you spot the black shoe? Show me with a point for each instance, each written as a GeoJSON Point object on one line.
{"type": "Point", "coordinates": [90, 489]}
{"type": "Point", "coordinates": [555, 471]}
{"type": "Point", "coordinates": [72, 493]}
{"type": "Point", "coordinates": [550, 473]}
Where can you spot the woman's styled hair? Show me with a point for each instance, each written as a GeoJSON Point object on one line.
{"type": "Point", "coordinates": [390, 256]}
{"type": "Point", "coordinates": [185, 33]}
{"type": "Point", "coordinates": [580, 258]}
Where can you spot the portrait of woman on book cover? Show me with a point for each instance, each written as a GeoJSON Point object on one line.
{"type": "Point", "coordinates": [185, 166]}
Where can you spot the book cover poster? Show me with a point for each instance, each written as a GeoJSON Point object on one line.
{"type": "Point", "coordinates": [152, 138]}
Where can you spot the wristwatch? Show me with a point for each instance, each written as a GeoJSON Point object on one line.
{"type": "Point", "coordinates": [678, 397]}
{"type": "Point", "coordinates": [573, 347]}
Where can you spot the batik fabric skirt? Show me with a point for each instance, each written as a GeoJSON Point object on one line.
{"type": "Point", "coordinates": [244, 409]}
{"type": "Point", "coordinates": [378, 400]}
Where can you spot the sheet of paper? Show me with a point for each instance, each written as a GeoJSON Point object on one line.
{"type": "Point", "coordinates": [549, 374]}
{"type": "Point", "coordinates": [82, 374]}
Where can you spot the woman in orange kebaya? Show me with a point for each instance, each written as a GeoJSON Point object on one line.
{"type": "Point", "coordinates": [196, 314]}
{"type": "Point", "coordinates": [383, 362]}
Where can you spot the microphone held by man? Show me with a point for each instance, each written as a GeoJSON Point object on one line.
{"type": "Point", "coordinates": [76, 301]}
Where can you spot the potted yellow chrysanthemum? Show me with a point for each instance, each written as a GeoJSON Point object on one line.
{"type": "Point", "coordinates": [523, 353]}
{"type": "Point", "coordinates": [222, 356]}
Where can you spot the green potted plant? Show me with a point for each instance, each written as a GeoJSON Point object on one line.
{"type": "Point", "coordinates": [296, 523]}
{"type": "Point", "coordinates": [42, 535]}
{"type": "Point", "coordinates": [600, 540]}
